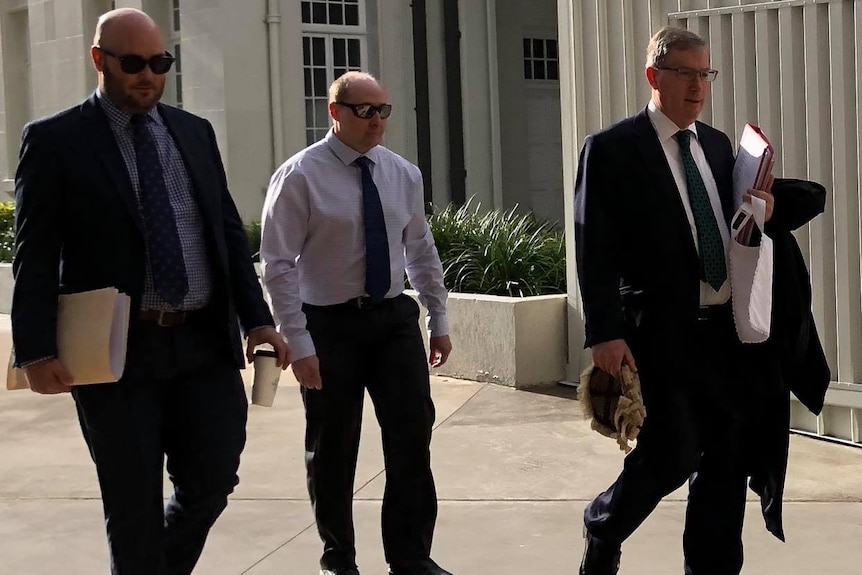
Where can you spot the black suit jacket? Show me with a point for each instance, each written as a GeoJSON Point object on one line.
{"type": "Point", "coordinates": [78, 226]}
{"type": "Point", "coordinates": [638, 266]}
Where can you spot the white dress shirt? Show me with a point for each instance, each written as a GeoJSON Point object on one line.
{"type": "Point", "coordinates": [666, 129]}
{"type": "Point", "coordinates": [313, 237]}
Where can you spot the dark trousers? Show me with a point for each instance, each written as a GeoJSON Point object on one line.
{"type": "Point", "coordinates": [381, 350]}
{"type": "Point", "coordinates": [179, 401]}
{"type": "Point", "coordinates": [694, 430]}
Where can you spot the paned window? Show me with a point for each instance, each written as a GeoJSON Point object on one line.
{"type": "Point", "coordinates": [332, 12]}
{"type": "Point", "coordinates": [325, 58]}
{"type": "Point", "coordinates": [541, 59]}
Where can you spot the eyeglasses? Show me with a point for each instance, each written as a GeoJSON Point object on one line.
{"type": "Point", "coordinates": [134, 64]}
{"type": "Point", "coordinates": [367, 111]}
{"type": "Point", "coordinates": [689, 74]}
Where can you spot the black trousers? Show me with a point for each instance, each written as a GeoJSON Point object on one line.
{"type": "Point", "coordinates": [695, 429]}
{"type": "Point", "coordinates": [381, 350]}
{"type": "Point", "coordinates": [178, 401]}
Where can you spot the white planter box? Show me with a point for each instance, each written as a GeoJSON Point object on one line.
{"type": "Point", "coordinates": [517, 342]}
{"type": "Point", "coordinates": [5, 287]}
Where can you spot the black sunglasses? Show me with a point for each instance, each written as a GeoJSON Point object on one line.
{"type": "Point", "coordinates": [134, 64]}
{"type": "Point", "coordinates": [367, 111]}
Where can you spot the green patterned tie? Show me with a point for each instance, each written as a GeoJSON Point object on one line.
{"type": "Point", "coordinates": [713, 268]}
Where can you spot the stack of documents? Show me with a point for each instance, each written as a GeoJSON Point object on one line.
{"type": "Point", "coordinates": [92, 328]}
{"type": "Point", "coordinates": [754, 160]}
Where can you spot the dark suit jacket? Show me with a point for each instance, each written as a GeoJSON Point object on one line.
{"type": "Point", "coordinates": [78, 226]}
{"type": "Point", "coordinates": [638, 266]}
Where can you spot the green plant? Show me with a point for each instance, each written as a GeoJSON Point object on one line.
{"type": "Point", "coordinates": [499, 253]}
{"type": "Point", "coordinates": [7, 231]}
{"type": "Point", "coordinates": [252, 234]}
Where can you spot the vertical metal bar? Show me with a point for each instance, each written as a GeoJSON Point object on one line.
{"type": "Point", "coordinates": [423, 99]}
{"type": "Point", "coordinates": [454, 105]}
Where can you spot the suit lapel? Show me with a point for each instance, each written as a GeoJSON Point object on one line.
{"type": "Point", "coordinates": [186, 143]}
{"type": "Point", "coordinates": [647, 143]}
{"type": "Point", "coordinates": [105, 147]}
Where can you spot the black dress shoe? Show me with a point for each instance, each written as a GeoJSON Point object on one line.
{"type": "Point", "coordinates": [340, 571]}
{"type": "Point", "coordinates": [600, 557]}
{"type": "Point", "coordinates": [426, 567]}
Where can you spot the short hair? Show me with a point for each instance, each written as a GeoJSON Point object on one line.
{"type": "Point", "coordinates": [338, 89]}
{"type": "Point", "coordinates": [670, 38]}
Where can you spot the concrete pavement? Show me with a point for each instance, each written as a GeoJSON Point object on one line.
{"type": "Point", "coordinates": [513, 468]}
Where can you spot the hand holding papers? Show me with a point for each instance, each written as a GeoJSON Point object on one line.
{"type": "Point", "coordinates": [92, 327]}
{"type": "Point", "coordinates": [754, 160]}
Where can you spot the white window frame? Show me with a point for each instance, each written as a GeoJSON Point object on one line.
{"type": "Point", "coordinates": [330, 67]}
{"type": "Point", "coordinates": [336, 29]}
{"type": "Point", "coordinates": [539, 81]}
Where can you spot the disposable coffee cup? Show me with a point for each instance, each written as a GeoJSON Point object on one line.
{"type": "Point", "coordinates": [266, 374]}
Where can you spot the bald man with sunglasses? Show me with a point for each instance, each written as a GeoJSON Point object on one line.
{"type": "Point", "coordinates": [126, 192]}
{"type": "Point", "coordinates": [342, 222]}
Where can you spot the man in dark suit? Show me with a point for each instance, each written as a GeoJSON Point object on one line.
{"type": "Point", "coordinates": [123, 191]}
{"type": "Point", "coordinates": [652, 200]}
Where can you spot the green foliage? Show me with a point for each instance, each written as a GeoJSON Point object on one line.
{"type": "Point", "coordinates": [7, 231]}
{"type": "Point", "coordinates": [252, 233]}
{"type": "Point", "coordinates": [499, 253]}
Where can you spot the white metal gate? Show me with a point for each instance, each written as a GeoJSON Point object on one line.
{"type": "Point", "coordinates": [787, 65]}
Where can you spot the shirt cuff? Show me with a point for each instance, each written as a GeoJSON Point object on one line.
{"type": "Point", "coordinates": [438, 325]}
{"type": "Point", "coordinates": [301, 346]}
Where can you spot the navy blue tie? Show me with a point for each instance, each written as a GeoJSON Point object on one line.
{"type": "Point", "coordinates": [163, 240]}
{"type": "Point", "coordinates": [377, 274]}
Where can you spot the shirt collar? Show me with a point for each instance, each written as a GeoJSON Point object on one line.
{"type": "Point", "coordinates": [345, 153]}
{"type": "Point", "coordinates": [118, 117]}
{"type": "Point", "coordinates": [664, 126]}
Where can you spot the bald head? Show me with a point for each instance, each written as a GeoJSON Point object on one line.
{"type": "Point", "coordinates": [123, 21]}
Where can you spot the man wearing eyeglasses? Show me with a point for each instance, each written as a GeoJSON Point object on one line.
{"type": "Point", "coordinates": [652, 201]}
{"type": "Point", "coordinates": [342, 222]}
{"type": "Point", "coordinates": [126, 192]}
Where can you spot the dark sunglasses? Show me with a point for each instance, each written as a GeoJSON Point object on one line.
{"type": "Point", "coordinates": [367, 111]}
{"type": "Point", "coordinates": [134, 64]}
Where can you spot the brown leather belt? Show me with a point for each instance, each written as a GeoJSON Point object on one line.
{"type": "Point", "coordinates": [168, 318]}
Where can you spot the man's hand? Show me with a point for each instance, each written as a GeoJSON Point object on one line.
{"type": "Point", "coordinates": [49, 377]}
{"type": "Point", "coordinates": [766, 195]}
{"type": "Point", "coordinates": [609, 356]}
{"type": "Point", "coordinates": [307, 372]}
{"type": "Point", "coordinates": [441, 347]}
{"type": "Point", "coordinates": [273, 338]}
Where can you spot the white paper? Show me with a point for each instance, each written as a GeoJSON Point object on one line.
{"type": "Point", "coordinates": [753, 152]}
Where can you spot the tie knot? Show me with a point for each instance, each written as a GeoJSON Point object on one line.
{"type": "Point", "coordinates": [683, 138]}
{"type": "Point", "coordinates": [362, 162]}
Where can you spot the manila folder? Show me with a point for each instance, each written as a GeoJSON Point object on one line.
{"type": "Point", "coordinates": [92, 328]}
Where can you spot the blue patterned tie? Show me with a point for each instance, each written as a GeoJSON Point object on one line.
{"type": "Point", "coordinates": [713, 268]}
{"type": "Point", "coordinates": [377, 273]}
{"type": "Point", "coordinates": [163, 240]}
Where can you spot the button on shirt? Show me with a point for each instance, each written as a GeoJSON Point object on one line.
{"type": "Point", "coordinates": [666, 129]}
{"type": "Point", "coordinates": [188, 217]}
{"type": "Point", "coordinates": [313, 244]}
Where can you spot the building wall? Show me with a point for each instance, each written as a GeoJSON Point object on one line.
{"type": "Point", "coordinates": [517, 20]}
{"type": "Point", "coordinates": [789, 66]}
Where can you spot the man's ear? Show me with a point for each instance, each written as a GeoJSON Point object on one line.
{"type": "Point", "coordinates": [333, 111]}
{"type": "Point", "coordinates": [98, 58]}
{"type": "Point", "coordinates": [651, 77]}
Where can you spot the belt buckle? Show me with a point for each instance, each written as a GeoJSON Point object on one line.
{"type": "Point", "coordinates": [171, 318]}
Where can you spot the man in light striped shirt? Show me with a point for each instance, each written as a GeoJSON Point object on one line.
{"type": "Point", "coordinates": [342, 222]}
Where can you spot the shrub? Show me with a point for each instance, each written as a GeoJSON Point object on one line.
{"type": "Point", "coordinates": [252, 234]}
{"type": "Point", "coordinates": [7, 231]}
{"type": "Point", "coordinates": [499, 253]}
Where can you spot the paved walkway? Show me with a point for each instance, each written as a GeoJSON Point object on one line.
{"type": "Point", "coordinates": [513, 469]}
